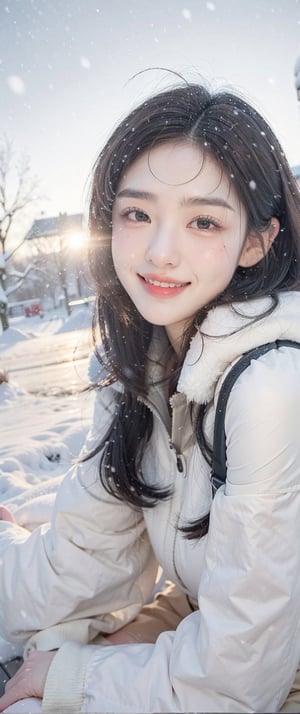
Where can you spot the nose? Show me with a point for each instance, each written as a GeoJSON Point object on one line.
{"type": "Point", "coordinates": [163, 249]}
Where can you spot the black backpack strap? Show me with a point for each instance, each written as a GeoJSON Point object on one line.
{"type": "Point", "coordinates": [218, 473]}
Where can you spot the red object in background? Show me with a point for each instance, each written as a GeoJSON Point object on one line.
{"type": "Point", "coordinates": [33, 308]}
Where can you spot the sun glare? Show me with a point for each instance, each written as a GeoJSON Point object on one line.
{"type": "Point", "coordinates": [75, 240]}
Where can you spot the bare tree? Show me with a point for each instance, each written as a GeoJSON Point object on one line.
{"type": "Point", "coordinates": [17, 191]}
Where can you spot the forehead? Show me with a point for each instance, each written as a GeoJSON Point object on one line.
{"type": "Point", "coordinates": [178, 165]}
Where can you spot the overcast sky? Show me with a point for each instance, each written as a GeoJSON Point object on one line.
{"type": "Point", "coordinates": [65, 69]}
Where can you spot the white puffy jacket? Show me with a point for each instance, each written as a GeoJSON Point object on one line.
{"type": "Point", "coordinates": [93, 567]}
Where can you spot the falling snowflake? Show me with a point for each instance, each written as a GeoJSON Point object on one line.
{"type": "Point", "coordinates": [85, 62]}
{"type": "Point", "coordinates": [186, 14]}
{"type": "Point", "coordinates": [16, 84]}
{"type": "Point", "coordinates": [211, 6]}
{"type": "Point", "coordinates": [252, 185]}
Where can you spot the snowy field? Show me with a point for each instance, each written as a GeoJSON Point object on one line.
{"type": "Point", "coordinates": [42, 429]}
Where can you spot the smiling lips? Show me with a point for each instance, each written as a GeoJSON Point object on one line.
{"type": "Point", "coordinates": [162, 288]}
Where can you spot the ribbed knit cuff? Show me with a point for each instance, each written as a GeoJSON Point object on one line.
{"type": "Point", "coordinates": [65, 681]}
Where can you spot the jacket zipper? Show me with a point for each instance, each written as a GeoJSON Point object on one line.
{"type": "Point", "coordinates": [180, 469]}
{"type": "Point", "coordinates": [179, 462]}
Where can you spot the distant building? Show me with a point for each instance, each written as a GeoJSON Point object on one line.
{"type": "Point", "coordinates": [59, 250]}
{"type": "Point", "coordinates": [55, 226]}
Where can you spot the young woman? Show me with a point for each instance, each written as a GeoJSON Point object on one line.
{"type": "Point", "coordinates": [195, 249]}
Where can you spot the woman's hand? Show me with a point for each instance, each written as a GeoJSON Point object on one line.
{"type": "Point", "coordinates": [6, 515]}
{"type": "Point", "coordinates": [29, 680]}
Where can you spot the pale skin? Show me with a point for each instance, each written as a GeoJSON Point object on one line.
{"type": "Point", "coordinates": [178, 235]}
{"type": "Point", "coordinates": [177, 220]}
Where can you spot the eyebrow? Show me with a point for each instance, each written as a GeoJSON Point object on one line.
{"type": "Point", "coordinates": [132, 193]}
{"type": "Point", "coordinates": [191, 201]}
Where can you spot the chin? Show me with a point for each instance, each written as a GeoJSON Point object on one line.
{"type": "Point", "coordinates": [154, 320]}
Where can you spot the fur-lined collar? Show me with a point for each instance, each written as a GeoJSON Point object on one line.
{"type": "Point", "coordinates": [228, 332]}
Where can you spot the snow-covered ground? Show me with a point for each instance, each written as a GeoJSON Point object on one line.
{"type": "Point", "coordinates": [48, 355]}
{"type": "Point", "coordinates": [42, 429]}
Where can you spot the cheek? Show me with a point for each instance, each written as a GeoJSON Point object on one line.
{"type": "Point", "coordinates": [228, 253]}
{"type": "Point", "coordinates": [116, 252]}
{"type": "Point", "coordinates": [202, 257]}
{"type": "Point", "coordinates": [121, 257]}
{"type": "Point", "coordinates": [124, 249]}
{"type": "Point", "coordinates": [216, 262]}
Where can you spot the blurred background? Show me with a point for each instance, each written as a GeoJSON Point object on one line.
{"type": "Point", "coordinates": [69, 70]}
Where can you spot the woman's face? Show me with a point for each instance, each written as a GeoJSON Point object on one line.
{"type": "Point", "coordinates": [178, 231]}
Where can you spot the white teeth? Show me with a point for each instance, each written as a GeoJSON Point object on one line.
{"type": "Point", "coordinates": [161, 284]}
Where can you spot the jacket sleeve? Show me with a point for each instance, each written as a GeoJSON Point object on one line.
{"type": "Point", "coordinates": [241, 650]}
{"type": "Point", "coordinates": [87, 571]}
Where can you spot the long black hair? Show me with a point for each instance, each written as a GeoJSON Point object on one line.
{"type": "Point", "coordinates": [238, 138]}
